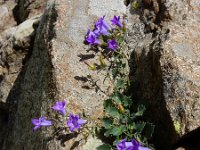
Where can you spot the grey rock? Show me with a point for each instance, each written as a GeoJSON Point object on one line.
{"type": "Point", "coordinates": [54, 72]}
{"type": "Point", "coordinates": [183, 45]}
{"type": "Point", "coordinates": [23, 31]}
{"type": "Point", "coordinates": [11, 60]}
{"type": "Point", "coordinates": [4, 14]}
{"type": "Point", "coordinates": [165, 72]}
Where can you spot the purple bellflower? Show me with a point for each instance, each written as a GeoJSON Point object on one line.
{"type": "Point", "coordinates": [133, 145]}
{"type": "Point", "coordinates": [91, 38]}
{"type": "Point", "coordinates": [123, 145]}
{"type": "Point", "coordinates": [40, 122]}
{"type": "Point", "coordinates": [60, 107]}
{"type": "Point", "coordinates": [137, 145]}
{"type": "Point", "coordinates": [102, 27]}
{"type": "Point", "coordinates": [75, 122]}
{"type": "Point", "coordinates": [116, 21]}
{"type": "Point", "coordinates": [112, 44]}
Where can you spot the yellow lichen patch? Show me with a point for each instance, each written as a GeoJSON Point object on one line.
{"type": "Point", "coordinates": [177, 126]}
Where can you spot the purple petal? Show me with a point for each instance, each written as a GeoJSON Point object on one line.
{"type": "Point", "coordinates": [143, 148]}
{"type": "Point", "coordinates": [112, 44]}
{"type": "Point", "coordinates": [62, 111]}
{"type": "Point", "coordinates": [135, 143]}
{"type": "Point", "coordinates": [128, 144]}
{"type": "Point", "coordinates": [36, 127]}
{"type": "Point", "coordinates": [64, 102]}
{"type": "Point", "coordinates": [81, 121]}
{"type": "Point", "coordinates": [35, 121]}
{"type": "Point", "coordinates": [91, 38]}
{"type": "Point", "coordinates": [72, 129]}
{"type": "Point", "coordinates": [46, 123]}
{"type": "Point", "coordinates": [121, 145]}
{"type": "Point", "coordinates": [55, 107]}
{"type": "Point", "coordinates": [102, 26]}
{"type": "Point", "coordinates": [116, 21]}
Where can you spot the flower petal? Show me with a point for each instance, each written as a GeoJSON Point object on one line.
{"type": "Point", "coordinates": [46, 123]}
{"type": "Point", "coordinates": [128, 144]}
{"type": "Point", "coordinates": [81, 121]}
{"type": "Point", "coordinates": [36, 127]}
{"type": "Point", "coordinates": [143, 148]}
{"type": "Point", "coordinates": [35, 121]}
{"type": "Point", "coordinates": [62, 111]}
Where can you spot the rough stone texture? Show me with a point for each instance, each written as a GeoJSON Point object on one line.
{"type": "Point", "coordinates": [6, 15]}
{"type": "Point", "coordinates": [27, 9]}
{"type": "Point", "coordinates": [146, 77]}
{"type": "Point", "coordinates": [55, 72]}
{"type": "Point", "coordinates": [165, 70]}
{"type": "Point", "coordinates": [15, 44]}
{"type": "Point", "coordinates": [182, 49]}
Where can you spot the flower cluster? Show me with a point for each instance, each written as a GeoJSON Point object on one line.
{"type": "Point", "coordinates": [119, 120]}
{"type": "Point", "coordinates": [133, 145]}
{"type": "Point", "coordinates": [74, 122]}
{"type": "Point", "coordinates": [101, 35]}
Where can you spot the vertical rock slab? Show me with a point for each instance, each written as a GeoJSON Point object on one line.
{"type": "Point", "coordinates": [183, 50]}
{"type": "Point", "coordinates": [55, 72]}
{"type": "Point", "coordinates": [165, 71]}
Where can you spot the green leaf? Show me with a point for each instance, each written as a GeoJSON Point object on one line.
{"type": "Point", "coordinates": [127, 100]}
{"type": "Point", "coordinates": [116, 141]}
{"type": "Point", "coordinates": [120, 83]}
{"type": "Point", "coordinates": [140, 110]}
{"type": "Point", "coordinates": [107, 133]}
{"type": "Point", "coordinates": [114, 72]}
{"type": "Point", "coordinates": [132, 126]}
{"type": "Point", "coordinates": [117, 97]}
{"type": "Point", "coordinates": [140, 126]}
{"type": "Point", "coordinates": [112, 111]}
{"type": "Point", "coordinates": [107, 123]}
{"type": "Point", "coordinates": [104, 147]}
{"type": "Point", "coordinates": [124, 118]}
{"type": "Point", "coordinates": [116, 131]}
{"type": "Point", "coordinates": [107, 103]}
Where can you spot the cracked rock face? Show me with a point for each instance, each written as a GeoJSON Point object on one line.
{"type": "Point", "coordinates": [164, 65]}
{"type": "Point", "coordinates": [183, 49]}
{"type": "Point", "coordinates": [54, 72]}
{"type": "Point", "coordinates": [165, 71]}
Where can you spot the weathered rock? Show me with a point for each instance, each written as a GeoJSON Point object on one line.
{"type": "Point", "coordinates": [6, 15]}
{"type": "Point", "coordinates": [183, 49]}
{"type": "Point", "coordinates": [16, 43]}
{"type": "Point", "coordinates": [165, 71]}
{"type": "Point", "coordinates": [54, 72]}
{"type": "Point", "coordinates": [27, 9]}
{"type": "Point", "coordinates": [23, 33]}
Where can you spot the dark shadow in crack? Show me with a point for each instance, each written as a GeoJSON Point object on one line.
{"type": "Point", "coordinates": [147, 88]}
{"type": "Point", "coordinates": [34, 85]}
{"type": "Point", "coordinates": [189, 141]}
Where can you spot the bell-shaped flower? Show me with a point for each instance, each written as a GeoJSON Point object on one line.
{"type": "Point", "coordinates": [75, 122]}
{"type": "Point", "coordinates": [91, 38]}
{"type": "Point", "coordinates": [102, 27]}
{"type": "Point", "coordinates": [60, 107]}
{"type": "Point", "coordinates": [40, 122]}
{"type": "Point", "coordinates": [123, 145]}
{"type": "Point", "coordinates": [112, 44]}
{"type": "Point", "coordinates": [133, 145]}
{"type": "Point", "coordinates": [116, 21]}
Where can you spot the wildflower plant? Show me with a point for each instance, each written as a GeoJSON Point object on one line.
{"type": "Point", "coordinates": [123, 123]}
{"type": "Point", "coordinates": [72, 123]}
{"type": "Point", "coordinates": [123, 120]}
